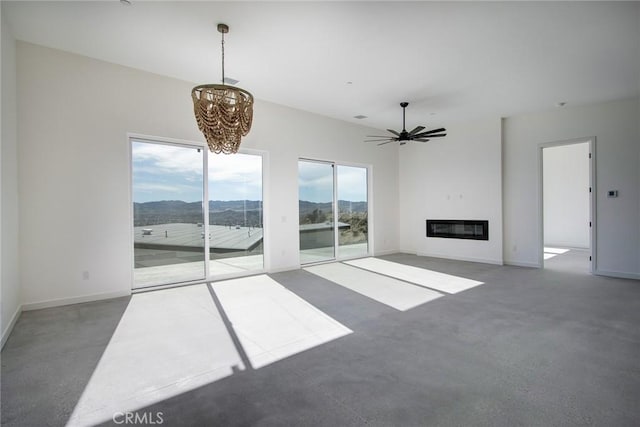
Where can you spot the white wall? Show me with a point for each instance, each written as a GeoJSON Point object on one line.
{"type": "Point", "coordinates": [456, 177]}
{"type": "Point", "coordinates": [10, 289]}
{"type": "Point", "coordinates": [566, 195]}
{"type": "Point", "coordinates": [615, 125]}
{"type": "Point", "coordinates": [74, 114]}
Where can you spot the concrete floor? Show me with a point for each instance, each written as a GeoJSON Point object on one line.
{"type": "Point", "coordinates": [573, 260]}
{"type": "Point", "coordinates": [528, 347]}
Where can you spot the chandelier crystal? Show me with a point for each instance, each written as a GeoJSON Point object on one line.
{"type": "Point", "coordinates": [224, 113]}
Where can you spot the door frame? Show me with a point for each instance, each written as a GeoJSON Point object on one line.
{"type": "Point", "coordinates": [336, 231]}
{"type": "Point", "coordinates": [591, 140]}
{"type": "Point", "coordinates": [131, 138]}
{"type": "Point", "coordinates": [205, 210]}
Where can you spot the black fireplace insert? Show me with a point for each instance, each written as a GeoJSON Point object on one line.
{"type": "Point", "coordinates": [458, 229]}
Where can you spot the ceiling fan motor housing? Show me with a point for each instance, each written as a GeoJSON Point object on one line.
{"type": "Point", "coordinates": [417, 134]}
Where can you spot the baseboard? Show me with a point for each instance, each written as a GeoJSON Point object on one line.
{"type": "Point", "coordinates": [9, 328]}
{"type": "Point", "coordinates": [522, 264]}
{"type": "Point", "coordinates": [617, 274]}
{"type": "Point", "coordinates": [457, 258]}
{"type": "Point", "coordinates": [74, 300]}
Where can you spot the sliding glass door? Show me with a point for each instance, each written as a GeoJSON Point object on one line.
{"type": "Point", "coordinates": [168, 217]}
{"type": "Point", "coordinates": [176, 237]}
{"type": "Point", "coordinates": [316, 211]}
{"type": "Point", "coordinates": [353, 211]}
{"type": "Point", "coordinates": [235, 213]}
{"type": "Point", "coordinates": [328, 191]}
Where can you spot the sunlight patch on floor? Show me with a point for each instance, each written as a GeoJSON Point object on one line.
{"type": "Point", "coordinates": [420, 276]}
{"type": "Point", "coordinates": [167, 342]}
{"type": "Point", "coordinates": [272, 322]}
{"type": "Point", "coordinates": [175, 340]}
{"type": "Point", "coordinates": [386, 290]}
{"type": "Point", "coordinates": [552, 252]}
{"type": "Point", "coordinates": [556, 251]}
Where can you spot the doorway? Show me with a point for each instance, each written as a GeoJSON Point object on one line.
{"type": "Point", "coordinates": [567, 205]}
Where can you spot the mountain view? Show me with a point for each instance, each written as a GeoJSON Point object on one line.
{"type": "Point", "coordinates": [231, 212]}
{"type": "Point", "coordinates": [238, 212]}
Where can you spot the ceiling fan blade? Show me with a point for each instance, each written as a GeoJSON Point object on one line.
{"type": "Point", "coordinates": [379, 140]}
{"type": "Point", "coordinates": [432, 136]}
{"type": "Point", "coordinates": [378, 136]}
{"type": "Point", "coordinates": [382, 143]}
{"type": "Point", "coordinates": [433, 131]}
{"type": "Point", "coordinates": [393, 132]}
{"type": "Point", "coordinates": [421, 140]}
{"type": "Point", "coordinates": [420, 135]}
{"type": "Point", "coordinates": [416, 130]}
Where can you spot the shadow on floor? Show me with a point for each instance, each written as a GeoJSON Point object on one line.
{"type": "Point", "coordinates": [49, 358]}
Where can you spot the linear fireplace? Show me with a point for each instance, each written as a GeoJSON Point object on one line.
{"type": "Point", "coordinates": [458, 229]}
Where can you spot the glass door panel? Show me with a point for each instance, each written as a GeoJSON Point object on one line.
{"type": "Point", "coordinates": [235, 213]}
{"type": "Point", "coordinates": [316, 195]}
{"type": "Point", "coordinates": [168, 218]}
{"type": "Point", "coordinates": [353, 222]}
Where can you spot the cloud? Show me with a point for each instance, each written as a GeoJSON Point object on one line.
{"type": "Point", "coordinates": [239, 168]}
{"type": "Point", "coordinates": [163, 159]}
{"type": "Point", "coordinates": [352, 183]}
{"type": "Point", "coordinates": [163, 171]}
{"type": "Point", "coordinates": [315, 181]}
{"type": "Point", "coordinates": [149, 187]}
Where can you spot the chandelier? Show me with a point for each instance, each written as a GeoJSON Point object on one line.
{"type": "Point", "coordinates": [224, 113]}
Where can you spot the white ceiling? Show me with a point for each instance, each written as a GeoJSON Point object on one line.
{"type": "Point", "coordinates": [453, 61]}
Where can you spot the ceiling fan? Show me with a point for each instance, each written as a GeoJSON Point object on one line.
{"type": "Point", "coordinates": [402, 137]}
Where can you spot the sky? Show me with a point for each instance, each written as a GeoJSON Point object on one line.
{"type": "Point", "coordinates": [166, 172]}
{"type": "Point", "coordinates": [315, 182]}
{"type": "Point", "coordinates": [169, 172]}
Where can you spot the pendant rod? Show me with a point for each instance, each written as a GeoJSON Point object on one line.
{"type": "Point", "coordinates": [222, 58]}
{"type": "Point", "coordinates": [223, 29]}
{"type": "Point", "coordinates": [404, 106]}
{"type": "Point", "coordinates": [404, 110]}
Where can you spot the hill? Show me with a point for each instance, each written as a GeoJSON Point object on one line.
{"type": "Point", "coordinates": [227, 212]}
